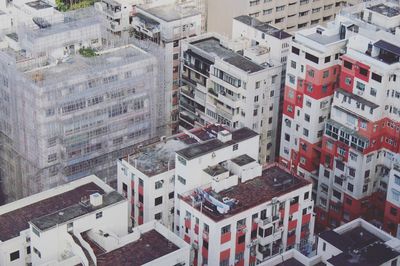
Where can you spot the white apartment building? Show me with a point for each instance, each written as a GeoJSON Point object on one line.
{"type": "Point", "coordinates": [147, 177]}
{"type": "Point", "coordinates": [231, 210]}
{"type": "Point", "coordinates": [354, 243]}
{"type": "Point", "coordinates": [75, 224]}
{"type": "Point", "coordinates": [237, 89]}
{"type": "Point", "coordinates": [73, 104]}
{"type": "Point", "coordinates": [289, 15]}
{"type": "Point", "coordinates": [167, 25]}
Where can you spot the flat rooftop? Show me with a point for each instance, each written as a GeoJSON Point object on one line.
{"type": "Point", "coordinates": [172, 12]}
{"type": "Point", "coordinates": [13, 222]}
{"type": "Point", "coordinates": [200, 149]}
{"type": "Point", "coordinates": [79, 65]}
{"type": "Point", "coordinates": [274, 182]}
{"type": "Point", "coordinates": [151, 245]}
{"type": "Point", "coordinates": [324, 39]}
{"type": "Point", "coordinates": [71, 212]}
{"type": "Point", "coordinates": [388, 11]}
{"type": "Point", "coordinates": [212, 46]}
{"type": "Point", "coordinates": [159, 157]}
{"type": "Point", "coordinates": [243, 160]}
{"type": "Point", "coordinates": [263, 27]}
{"type": "Point", "coordinates": [359, 247]}
{"type": "Point", "coordinates": [38, 5]}
{"type": "Point", "coordinates": [215, 170]}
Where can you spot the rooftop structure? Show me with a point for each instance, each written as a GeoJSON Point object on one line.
{"type": "Point", "coordinates": [264, 27]}
{"type": "Point", "coordinates": [172, 12]}
{"type": "Point", "coordinates": [359, 243]}
{"type": "Point", "coordinates": [213, 46]}
{"type": "Point", "coordinates": [15, 217]}
{"type": "Point", "coordinates": [385, 10]}
{"type": "Point", "coordinates": [39, 4]}
{"type": "Point", "coordinates": [273, 182]}
{"type": "Point", "coordinates": [200, 149]}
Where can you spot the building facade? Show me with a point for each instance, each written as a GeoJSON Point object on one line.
{"type": "Point", "coordinates": [233, 89]}
{"type": "Point", "coordinates": [351, 150]}
{"type": "Point", "coordinates": [288, 15]}
{"type": "Point", "coordinates": [55, 128]}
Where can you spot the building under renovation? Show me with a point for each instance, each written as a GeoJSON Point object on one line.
{"type": "Point", "coordinates": [73, 100]}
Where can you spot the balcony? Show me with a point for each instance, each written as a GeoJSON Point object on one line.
{"type": "Point", "coordinates": [187, 92]}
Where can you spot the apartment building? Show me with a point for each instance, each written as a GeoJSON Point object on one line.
{"type": "Point", "coordinates": [288, 15]}
{"type": "Point", "coordinates": [232, 83]}
{"type": "Point", "coordinates": [73, 105]}
{"type": "Point", "coordinates": [357, 135]}
{"type": "Point", "coordinates": [354, 243]}
{"type": "Point", "coordinates": [167, 26]}
{"type": "Point", "coordinates": [147, 177]}
{"type": "Point", "coordinates": [231, 210]}
{"type": "Point", "coordinates": [74, 224]}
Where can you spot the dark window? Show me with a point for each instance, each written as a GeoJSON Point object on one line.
{"type": "Point", "coordinates": [364, 71]}
{"type": "Point", "coordinates": [347, 64]}
{"type": "Point", "coordinates": [28, 250]}
{"type": "Point", "coordinates": [393, 211]}
{"type": "Point", "coordinates": [306, 195]}
{"type": "Point", "coordinates": [312, 58]}
{"type": "Point", "coordinates": [158, 216]}
{"type": "Point", "coordinates": [171, 195]}
{"type": "Point", "coordinates": [235, 146]}
{"type": "Point", "coordinates": [340, 165]}
{"type": "Point", "coordinates": [323, 246]}
{"type": "Point", "coordinates": [99, 215]}
{"type": "Point", "coordinates": [268, 231]}
{"type": "Point", "coordinates": [304, 211]}
{"type": "Point", "coordinates": [350, 187]}
{"type": "Point", "coordinates": [241, 239]}
{"type": "Point", "coordinates": [158, 201]}
{"type": "Point", "coordinates": [376, 77]}
{"type": "Point", "coordinates": [327, 59]}
{"type": "Point", "coordinates": [337, 194]}
{"type": "Point", "coordinates": [295, 50]}
{"type": "Point", "coordinates": [14, 255]}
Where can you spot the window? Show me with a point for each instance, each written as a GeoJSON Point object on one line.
{"type": "Point", "coordinates": [14, 255]}
{"type": "Point", "coordinates": [312, 58]}
{"type": "Point", "coordinates": [37, 252]}
{"type": "Point", "coordinates": [347, 64]}
{"type": "Point", "coordinates": [181, 160]}
{"type": "Point", "coordinates": [325, 74]}
{"type": "Point", "coordinates": [376, 77]}
{"type": "Point", "coordinates": [158, 201]}
{"type": "Point", "coordinates": [347, 80]}
{"type": "Point", "coordinates": [280, 8]}
{"type": "Point", "coordinates": [226, 229]}
{"type": "Point", "coordinates": [352, 172]}
{"type": "Point", "coordinates": [158, 216]}
{"type": "Point", "coordinates": [307, 117]}
{"type": "Point", "coordinates": [158, 184]}
{"type": "Point", "coordinates": [35, 231]}
{"type": "Point", "coordinates": [293, 64]}
{"type": "Point", "coordinates": [295, 50]}
{"type": "Point", "coordinates": [323, 246]}
{"type": "Point", "coordinates": [327, 59]}
{"type": "Point", "coordinates": [305, 132]}
{"type": "Point", "coordinates": [182, 180]}
{"type": "Point", "coordinates": [393, 211]}
{"type": "Point", "coordinates": [176, 56]}
{"type": "Point", "coordinates": [28, 250]}
{"type": "Point", "coordinates": [349, 201]}
{"type": "Point", "coordinates": [99, 215]}
{"type": "Point", "coordinates": [363, 71]}
{"type": "Point", "coordinates": [337, 194]}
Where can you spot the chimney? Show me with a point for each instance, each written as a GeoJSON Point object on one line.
{"type": "Point", "coordinates": [96, 199]}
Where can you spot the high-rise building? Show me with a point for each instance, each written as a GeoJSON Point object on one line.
{"type": "Point", "coordinates": [74, 100]}
{"type": "Point", "coordinates": [346, 136]}
{"type": "Point", "coordinates": [288, 15]}
{"type": "Point", "coordinates": [235, 83]}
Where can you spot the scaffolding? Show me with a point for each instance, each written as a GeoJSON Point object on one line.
{"type": "Point", "coordinates": [64, 115]}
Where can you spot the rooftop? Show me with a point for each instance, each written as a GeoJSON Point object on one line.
{"type": "Point", "coordinates": [389, 11]}
{"type": "Point", "coordinates": [159, 157]}
{"type": "Point", "coordinates": [274, 182]}
{"type": "Point", "coordinates": [359, 247]}
{"type": "Point", "coordinates": [172, 12]}
{"type": "Point", "coordinates": [243, 160]}
{"type": "Point", "coordinates": [358, 98]}
{"type": "Point", "coordinates": [39, 4]}
{"type": "Point", "coordinates": [215, 170]}
{"type": "Point", "coordinates": [13, 222]}
{"type": "Point", "coordinates": [200, 149]}
{"type": "Point", "coordinates": [263, 27]}
{"type": "Point", "coordinates": [71, 212]}
{"type": "Point", "coordinates": [212, 45]}
{"type": "Point", "coordinates": [324, 39]}
{"type": "Point", "coordinates": [151, 245]}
